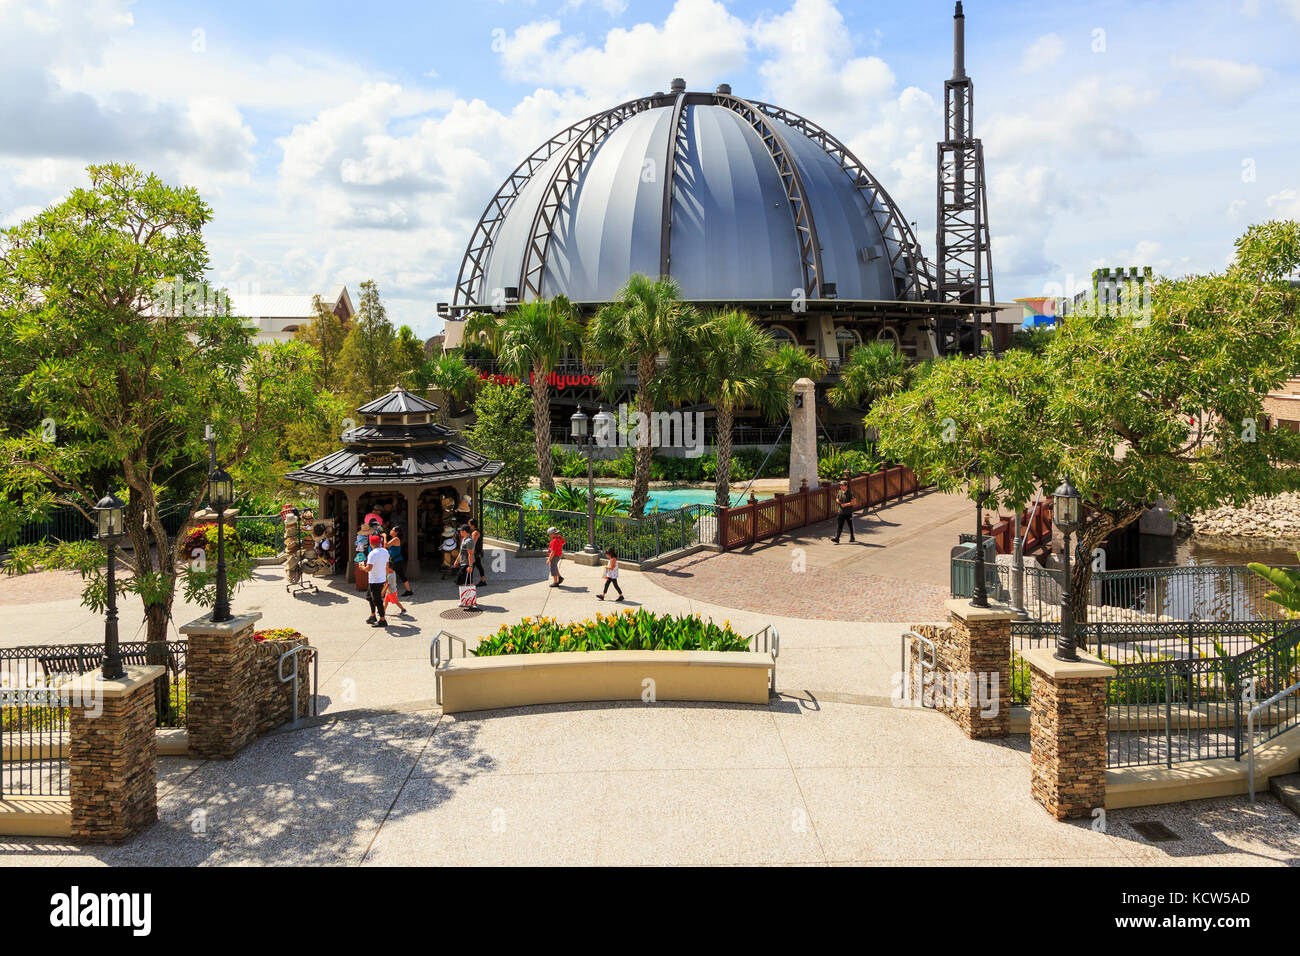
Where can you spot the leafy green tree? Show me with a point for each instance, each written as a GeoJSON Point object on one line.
{"type": "Point", "coordinates": [1132, 407]}
{"type": "Point", "coordinates": [367, 359]}
{"type": "Point", "coordinates": [128, 378]}
{"type": "Point", "coordinates": [503, 414]}
{"type": "Point", "coordinates": [531, 340]}
{"type": "Point", "coordinates": [455, 379]}
{"type": "Point", "coordinates": [646, 320]}
{"type": "Point", "coordinates": [409, 361]}
{"type": "Point", "coordinates": [1033, 340]}
{"type": "Point", "coordinates": [873, 370]}
{"type": "Point", "coordinates": [325, 333]}
{"type": "Point", "coordinates": [731, 364]}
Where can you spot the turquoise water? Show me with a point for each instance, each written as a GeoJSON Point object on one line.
{"type": "Point", "coordinates": [665, 499]}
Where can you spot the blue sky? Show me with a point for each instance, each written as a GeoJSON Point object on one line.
{"type": "Point", "coordinates": [338, 142]}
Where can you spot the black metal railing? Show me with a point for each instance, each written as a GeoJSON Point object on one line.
{"type": "Point", "coordinates": [48, 665]}
{"type": "Point", "coordinates": [1195, 593]}
{"type": "Point", "coordinates": [633, 539]}
{"type": "Point", "coordinates": [1182, 689]}
{"type": "Point", "coordinates": [33, 742]}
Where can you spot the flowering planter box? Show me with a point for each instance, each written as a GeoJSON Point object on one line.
{"type": "Point", "coordinates": [518, 680]}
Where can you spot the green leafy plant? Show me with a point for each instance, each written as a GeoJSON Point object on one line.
{"type": "Point", "coordinates": [638, 630]}
{"type": "Point", "coordinates": [1286, 586]}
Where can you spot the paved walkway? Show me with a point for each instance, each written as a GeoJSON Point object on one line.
{"type": "Point", "coordinates": [828, 773]}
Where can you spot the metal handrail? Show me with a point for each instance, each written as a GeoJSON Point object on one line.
{"type": "Point", "coordinates": [920, 658]}
{"type": "Point", "coordinates": [771, 640]}
{"type": "Point", "coordinates": [293, 677]}
{"type": "Point", "coordinates": [436, 660]}
{"type": "Point", "coordinates": [1250, 732]}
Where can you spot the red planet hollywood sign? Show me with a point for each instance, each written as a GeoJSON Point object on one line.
{"type": "Point", "coordinates": [560, 382]}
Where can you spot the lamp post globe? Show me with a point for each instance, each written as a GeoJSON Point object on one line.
{"type": "Point", "coordinates": [1066, 515]}
{"type": "Point", "coordinates": [221, 492]}
{"type": "Point", "coordinates": [109, 515]}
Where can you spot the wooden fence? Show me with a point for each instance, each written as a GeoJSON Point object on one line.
{"type": "Point", "coordinates": [758, 520]}
{"type": "Point", "coordinates": [1035, 527]}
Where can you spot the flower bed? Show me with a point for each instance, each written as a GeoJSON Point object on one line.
{"type": "Point", "coordinates": [638, 630]}
{"type": "Point", "coordinates": [279, 634]}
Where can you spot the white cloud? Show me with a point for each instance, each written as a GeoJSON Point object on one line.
{"type": "Point", "coordinates": [699, 41]}
{"type": "Point", "coordinates": [1044, 51]}
{"type": "Point", "coordinates": [1226, 80]}
{"type": "Point", "coordinates": [1284, 204]}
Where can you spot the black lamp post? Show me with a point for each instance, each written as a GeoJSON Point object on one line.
{"type": "Point", "coordinates": [1065, 513]}
{"type": "Point", "coordinates": [579, 429]}
{"type": "Point", "coordinates": [221, 492]}
{"type": "Point", "coordinates": [980, 592]}
{"type": "Point", "coordinates": [109, 514]}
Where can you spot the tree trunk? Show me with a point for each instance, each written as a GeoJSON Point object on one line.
{"type": "Point", "coordinates": [722, 477]}
{"type": "Point", "coordinates": [645, 370]}
{"type": "Point", "coordinates": [542, 429]}
{"type": "Point", "coordinates": [1097, 527]}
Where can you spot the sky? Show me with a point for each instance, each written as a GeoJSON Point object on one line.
{"type": "Point", "coordinates": [338, 142]}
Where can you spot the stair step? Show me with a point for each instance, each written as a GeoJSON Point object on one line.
{"type": "Point", "coordinates": [1287, 789]}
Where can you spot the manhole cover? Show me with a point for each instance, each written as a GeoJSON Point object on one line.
{"type": "Point", "coordinates": [1155, 832]}
{"type": "Point", "coordinates": [458, 614]}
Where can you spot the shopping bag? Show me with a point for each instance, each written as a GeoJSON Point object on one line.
{"type": "Point", "coordinates": [468, 596]}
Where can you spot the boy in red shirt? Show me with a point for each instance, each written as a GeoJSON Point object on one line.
{"type": "Point", "coordinates": [553, 551]}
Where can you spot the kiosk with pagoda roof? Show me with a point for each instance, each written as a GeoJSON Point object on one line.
{"type": "Point", "coordinates": [401, 464]}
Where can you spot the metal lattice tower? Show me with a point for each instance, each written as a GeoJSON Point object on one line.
{"type": "Point", "coordinates": [964, 257]}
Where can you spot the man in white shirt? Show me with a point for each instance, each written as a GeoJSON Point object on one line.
{"type": "Point", "coordinates": [376, 568]}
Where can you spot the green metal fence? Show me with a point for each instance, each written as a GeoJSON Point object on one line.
{"type": "Point", "coordinates": [633, 539]}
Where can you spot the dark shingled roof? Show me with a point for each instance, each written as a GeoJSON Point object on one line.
{"type": "Point", "coordinates": [419, 466]}
{"type": "Point", "coordinates": [397, 402]}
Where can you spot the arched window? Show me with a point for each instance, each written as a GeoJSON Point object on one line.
{"type": "Point", "coordinates": [845, 341]}
{"type": "Point", "coordinates": [889, 334]}
{"type": "Point", "coordinates": [781, 335]}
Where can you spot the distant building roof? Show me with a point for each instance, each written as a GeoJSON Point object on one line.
{"type": "Point", "coordinates": [286, 305]}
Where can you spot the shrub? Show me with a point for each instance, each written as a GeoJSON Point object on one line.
{"type": "Point", "coordinates": [639, 630]}
{"type": "Point", "coordinates": [205, 536]}
{"type": "Point", "coordinates": [278, 634]}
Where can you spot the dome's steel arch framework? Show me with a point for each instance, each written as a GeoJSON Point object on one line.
{"type": "Point", "coordinates": [576, 144]}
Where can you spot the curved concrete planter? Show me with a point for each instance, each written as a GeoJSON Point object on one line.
{"type": "Point", "coordinates": [517, 680]}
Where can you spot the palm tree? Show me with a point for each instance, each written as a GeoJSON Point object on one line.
{"type": "Point", "coordinates": [792, 363]}
{"type": "Point", "coordinates": [645, 320]}
{"type": "Point", "coordinates": [530, 340]}
{"type": "Point", "coordinates": [453, 377]}
{"type": "Point", "coordinates": [874, 370]}
{"type": "Point", "coordinates": [731, 364]}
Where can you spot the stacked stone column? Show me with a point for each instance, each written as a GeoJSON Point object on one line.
{"type": "Point", "coordinates": [113, 755]}
{"type": "Point", "coordinates": [972, 677]}
{"type": "Point", "coordinates": [222, 716]}
{"type": "Point", "coordinates": [1067, 732]}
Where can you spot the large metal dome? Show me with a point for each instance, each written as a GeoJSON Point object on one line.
{"type": "Point", "coordinates": [735, 199]}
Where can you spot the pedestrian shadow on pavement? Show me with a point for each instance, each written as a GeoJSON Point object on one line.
{"type": "Point", "coordinates": [320, 598]}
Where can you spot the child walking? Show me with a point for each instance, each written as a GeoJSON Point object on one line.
{"type": "Point", "coordinates": [390, 590]}
{"type": "Point", "coordinates": [611, 575]}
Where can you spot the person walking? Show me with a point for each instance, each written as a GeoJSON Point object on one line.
{"type": "Point", "coordinates": [397, 558]}
{"type": "Point", "coordinates": [477, 535]}
{"type": "Point", "coordinates": [465, 570]}
{"type": "Point", "coordinates": [611, 575]}
{"type": "Point", "coordinates": [376, 568]}
{"type": "Point", "coordinates": [844, 497]}
{"type": "Point", "coordinates": [554, 548]}
{"type": "Point", "coordinates": [390, 590]}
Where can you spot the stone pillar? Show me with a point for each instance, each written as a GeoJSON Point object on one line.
{"type": "Point", "coordinates": [222, 709]}
{"type": "Point", "coordinates": [803, 435]}
{"type": "Point", "coordinates": [113, 755]}
{"type": "Point", "coordinates": [972, 674]}
{"type": "Point", "coordinates": [1067, 732]}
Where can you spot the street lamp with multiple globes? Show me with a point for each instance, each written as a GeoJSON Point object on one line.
{"type": "Point", "coordinates": [1065, 513]}
{"type": "Point", "coordinates": [221, 492]}
{"type": "Point", "coordinates": [109, 515]}
{"type": "Point", "coordinates": [588, 438]}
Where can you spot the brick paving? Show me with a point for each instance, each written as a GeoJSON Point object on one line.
{"type": "Point", "coordinates": [752, 582]}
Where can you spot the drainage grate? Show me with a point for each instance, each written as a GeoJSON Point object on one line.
{"type": "Point", "coordinates": [1155, 831]}
{"type": "Point", "coordinates": [458, 614]}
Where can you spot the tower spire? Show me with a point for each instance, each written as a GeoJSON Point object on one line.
{"type": "Point", "coordinates": [963, 254]}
